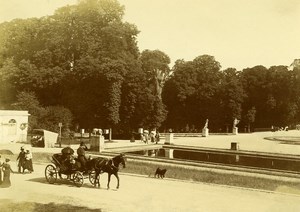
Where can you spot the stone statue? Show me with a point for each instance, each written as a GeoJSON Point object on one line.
{"type": "Point", "coordinates": [206, 124]}
{"type": "Point", "coordinates": [235, 122]}
{"type": "Point", "coordinates": [205, 129]}
{"type": "Point", "coordinates": [234, 128]}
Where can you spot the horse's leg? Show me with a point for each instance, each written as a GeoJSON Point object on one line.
{"type": "Point", "coordinates": [97, 181]}
{"type": "Point", "coordinates": [109, 175]}
{"type": "Point", "coordinates": [117, 176]}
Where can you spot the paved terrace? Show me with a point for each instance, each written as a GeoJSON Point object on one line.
{"type": "Point", "coordinates": [248, 142]}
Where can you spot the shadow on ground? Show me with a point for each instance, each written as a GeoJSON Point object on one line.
{"type": "Point", "coordinates": [65, 182]}
{"type": "Point", "coordinates": [8, 206]}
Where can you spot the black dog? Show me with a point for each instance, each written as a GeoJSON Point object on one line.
{"type": "Point", "coordinates": [160, 173]}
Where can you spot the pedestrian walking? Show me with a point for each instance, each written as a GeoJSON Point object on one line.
{"type": "Point", "coordinates": [21, 159]}
{"type": "Point", "coordinates": [6, 174]}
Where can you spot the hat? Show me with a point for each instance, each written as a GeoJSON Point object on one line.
{"type": "Point", "coordinates": [7, 159]}
{"type": "Point", "coordinates": [22, 148]}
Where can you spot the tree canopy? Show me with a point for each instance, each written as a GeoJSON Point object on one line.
{"type": "Point", "coordinates": [82, 66]}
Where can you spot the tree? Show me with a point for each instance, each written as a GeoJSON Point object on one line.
{"type": "Point", "coordinates": [54, 115]}
{"type": "Point", "coordinates": [28, 101]}
{"type": "Point", "coordinates": [194, 87]}
{"type": "Point", "coordinates": [84, 48]}
{"type": "Point", "coordinates": [155, 65]}
{"type": "Point", "coordinates": [254, 82]}
{"type": "Point", "coordinates": [231, 95]}
{"type": "Point", "coordinates": [250, 117]}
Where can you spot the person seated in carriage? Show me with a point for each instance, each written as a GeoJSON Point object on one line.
{"type": "Point", "coordinates": [81, 156]}
{"type": "Point", "coordinates": [67, 158]}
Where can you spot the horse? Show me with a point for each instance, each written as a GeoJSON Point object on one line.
{"type": "Point", "coordinates": [110, 166]}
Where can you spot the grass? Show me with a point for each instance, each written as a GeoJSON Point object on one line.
{"type": "Point", "coordinates": [193, 175]}
{"type": "Point", "coordinates": [189, 174]}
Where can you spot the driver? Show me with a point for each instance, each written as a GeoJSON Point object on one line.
{"type": "Point", "coordinates": [81, 155]}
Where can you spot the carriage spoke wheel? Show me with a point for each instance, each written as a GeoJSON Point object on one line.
{"type": "Point", "coordinates": [78, 179]}
{"type": "Point", "coordinates": [92, 177]}
{"type": "Point", "coordinates": [50, 173]}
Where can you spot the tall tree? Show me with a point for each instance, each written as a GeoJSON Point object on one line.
{"type": "Point", "coordinates": [155, 66]}
{"type": "Point", "coordinates": [84, 48]}
{"type": "Point", "coordinates": [231, 96]}
{"type": "Point", "coordinates": [196, 85]}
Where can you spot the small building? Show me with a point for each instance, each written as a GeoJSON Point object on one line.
{"type": "Point", "coordinates": [13, 126]}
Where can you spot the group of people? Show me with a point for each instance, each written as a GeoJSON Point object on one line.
{"type": "Point", "coordinates": [5, 170]}
{"type": "Point", "coordinates": [68, 159]}
{"type": "Point", "coordinates": [154, 136]}
{"type": "Point", "coordinates": [25, 160]}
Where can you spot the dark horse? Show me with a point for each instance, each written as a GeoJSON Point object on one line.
{"type": "Point", "coordinates": [110, 166]}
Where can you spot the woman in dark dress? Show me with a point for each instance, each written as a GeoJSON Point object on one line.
{"type": "Point", "coordinates": [6, 176]}
{"type": "Point", "coordinates": [1, 163]}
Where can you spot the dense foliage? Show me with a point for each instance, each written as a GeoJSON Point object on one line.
{"type": "Point", "coordinates": [82, 67]}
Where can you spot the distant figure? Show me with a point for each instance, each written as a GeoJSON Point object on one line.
{"type": "Point", "coordinates": [21, 159]}
{"type": "Point", "coordinates": [152, 136]}
{"type": "Point", "coordinates": [132, 138]}
{"type": "Point", "coordinates": [157, 137]}
{"type": "Point", "coordinates": [1, 163]}
{"type": "Point", "coordinates": [6, 176]}
{"type": "Point", "coordinates": [146, 136]}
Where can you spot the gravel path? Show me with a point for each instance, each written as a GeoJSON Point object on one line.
{"type": "Point", "coordinates": [143, 194]}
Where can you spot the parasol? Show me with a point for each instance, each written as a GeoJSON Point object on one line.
{"type": "Point", "coordinates": [67, 150]}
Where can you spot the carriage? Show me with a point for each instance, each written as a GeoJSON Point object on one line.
{"type": "Point", "coordinates": [60, 166]}
{"type": "Point", "coordinates": [63, 168]}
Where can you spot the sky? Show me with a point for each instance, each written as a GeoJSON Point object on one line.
{"type": "Point", "coordinates": [238, 33]}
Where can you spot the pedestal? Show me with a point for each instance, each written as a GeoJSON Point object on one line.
{"type": "Point", "coordinates": [97, 143]}
{"type": "Point", "coordinates": [101, 143]}
{"type": "Point", "coordinates": [169, 153]}
{"type": "Point", "coordinates": [234, 146]}
{"type": "Point", "coordinates": [235, 131]}
{"type": "Point", "coordinates": [205, 132]}
{"type": "Point", "coordinates": [169, 138]}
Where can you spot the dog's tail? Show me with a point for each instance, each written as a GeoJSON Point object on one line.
{"type": "Point", "coordinates": [152, 175]}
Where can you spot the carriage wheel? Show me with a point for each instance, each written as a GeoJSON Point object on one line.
{"type": "Point", "coordinates": [78, 179]}
{"type": "Point", "coordinates": [92, 176]}
{"type": "Point", "coordinates": [50, 173]}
